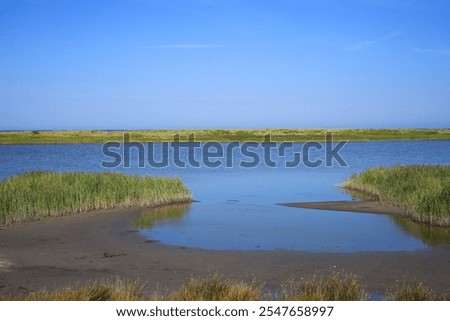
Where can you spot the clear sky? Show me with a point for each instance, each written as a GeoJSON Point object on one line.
{"type": "Point", "coordinates": [149, 64]}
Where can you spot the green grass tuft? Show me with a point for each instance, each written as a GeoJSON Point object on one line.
{"type": "Point", "coordinates": [38, 194]}
{"type": "Point", "coordinates": [422, 191]}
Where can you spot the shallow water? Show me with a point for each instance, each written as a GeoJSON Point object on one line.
{"type": "Point", "coordinates": [236, 206]}
{"type": "Point", "coordinates": [234, 226]}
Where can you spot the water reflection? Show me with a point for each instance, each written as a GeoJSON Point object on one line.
{"type": "Point", "coordinates": [231, 225]}
{"type": "Point", "coordinates": [431, 235]}
{"type": "Point", "coordinates": [245, 226]}
{"type": "Point", "coordinates": [160, 216]}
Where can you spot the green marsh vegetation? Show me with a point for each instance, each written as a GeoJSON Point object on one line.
{"type": "Point", "coordinates": [38, 194]}
{"type": "Point", "coordinates": [336, 286]}
{"type": "Point", "coordinates": [220, 135]}
{"type": "Point", "coordinates": [422, 191]}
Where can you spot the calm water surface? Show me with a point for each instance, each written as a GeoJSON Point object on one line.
{"type": "Point", "coordinates": [237, 209]}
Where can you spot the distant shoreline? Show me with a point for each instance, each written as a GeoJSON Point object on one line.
{"type": "Point", "coordinates": [220, 135]}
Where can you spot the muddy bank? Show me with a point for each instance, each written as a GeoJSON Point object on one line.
{"type": "Point", "coordinates": [348, 206]}
{"type": "Point", "coordinates": [78, 249]}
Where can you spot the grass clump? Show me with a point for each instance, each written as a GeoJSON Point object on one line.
{"type": "Point", "coordinates": [104, 290]}
{"type": "Point", "coordinates": [422, 191]}
{"type": "Point", "coordinates": [215, 288]}
{"type": "Point", "coordinates": [416, 291]}
{"type": "Point", "coordinates": [38, 194]}
{"type": "Point", "coordinates": [335, 287]}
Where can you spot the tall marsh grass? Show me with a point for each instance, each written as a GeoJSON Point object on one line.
{"type": "Point", "coordinates": [422, 191]}
{"type": "Point", "coordinates": [38, 194]}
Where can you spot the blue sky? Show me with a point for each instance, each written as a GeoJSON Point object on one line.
{"type": "Point", "coordinates": [137, 64]}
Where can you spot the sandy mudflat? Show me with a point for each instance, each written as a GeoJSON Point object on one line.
{"type": "Point", "coordinates": [359, 206]}
{"type": "Point", "coordinates": [77, 249]}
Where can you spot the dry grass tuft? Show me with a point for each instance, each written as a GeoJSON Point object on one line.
{"type": "Point", "coordinates": [335, 287]}
{"type": "Point", "coordinates": [103, 290]}
{"type": "Point", "coordinates": [410, 292]}
{"type": "Point", "coordinates": [215, 288]}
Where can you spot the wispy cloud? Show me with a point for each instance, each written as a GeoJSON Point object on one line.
{"type": "Point", "coordinates": [188, 46]}
{"type": "Point", "coordinates": [385, 3]}
{"type": "Point", "coordinates": [363, 45]}
{"type": "Point", "coordinates": [443, 52]}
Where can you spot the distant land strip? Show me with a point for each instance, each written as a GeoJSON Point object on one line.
{"type": "Point", "coordinates": [219, 135]}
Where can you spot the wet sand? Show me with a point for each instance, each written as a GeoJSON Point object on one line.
{"type": "Point", "coordinates": [350, 206]}
{"type": "Point", "coordinates": [85, 247]}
